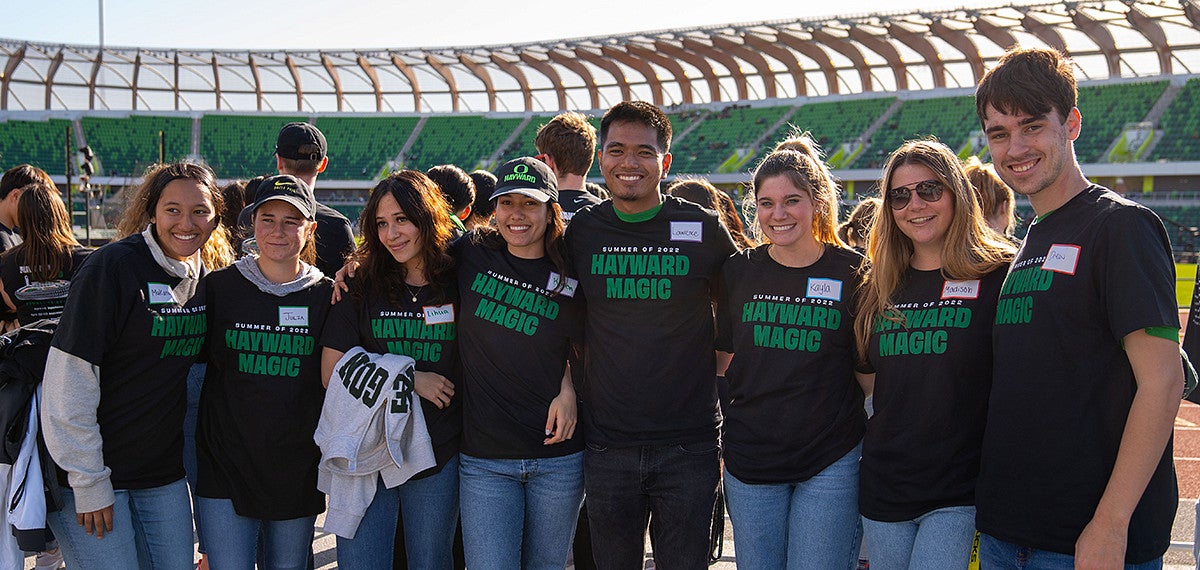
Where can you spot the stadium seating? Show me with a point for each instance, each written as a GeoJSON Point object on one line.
{"type": "Point", "coordinates": [463, 140]}
{"type": "Point", "coordinates": [950, 119]}
{"type": "Point", "coordinates": [720, 134]}
{"type": "Point", "coordinates": [523, 144]}
{"type": "Point", "coordinates": [40, 143]}
{"type": "Point", "coordinates": [126, 146]}
{"type": "Point", "coordinates": [359, 147]}
{"type": "Point", "coordinates": [1106, 109]}
{"type": "Point", "coordinates": [1181, 126]}
{"type": "Point", "coordinates": [831, 123]}
{"type": "Point", "coordinates": [241, 146]}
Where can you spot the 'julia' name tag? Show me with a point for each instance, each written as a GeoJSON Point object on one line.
{"type": "Point", "coordinates": [293, 316]}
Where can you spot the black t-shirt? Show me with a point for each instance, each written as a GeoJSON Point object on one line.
{"type": "Point", "coordinates": [424, 330]}
{"type": "Point", "coordinates": [1089, 273]}
{"type": "Point", "coordinates": [262, 397]}
{"type": "Point", "coordinates": [516, 336]}
{"type": "Point", "coordinates": [9, 238]}
{"type": "Point", "coordinates": [40, 300]}
{"type": "Point", "coordinates": [649, 286]}
{"type": "Point", "coordinates": [933, 374]}
{"type": "Point", "coordinates": [144, 329]}
{"type": "Point", "coordinates": [572, 201]}
{"type": "Point", "coordinates": [795, 407]}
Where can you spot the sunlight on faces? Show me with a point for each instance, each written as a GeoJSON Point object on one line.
{"type": "Point", "coordinates": [785, 213]}
{"type": "Point", "coordinates": [925, 223]}
{"type": "Point", "coordinates": [522, 222]}
{"type": "Point", "coordinates": [183, 219]}
{"type": "Point", "coordinates": [399, 235]}
{"type": "Point", "coordinates": [281, 231]}
{"type": "Point", "coordinates": [632, 163]}
{"type": "Point", "coordinates": [1031, 153]}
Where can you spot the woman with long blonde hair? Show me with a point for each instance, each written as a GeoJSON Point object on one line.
{"type": "Point", "coordinates": [795, 419]}
{"type": "Point", "coordinates": [924, 331]}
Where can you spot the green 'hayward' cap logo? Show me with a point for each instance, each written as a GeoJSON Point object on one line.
{"type": "Point", "coordinates": [521, 172]}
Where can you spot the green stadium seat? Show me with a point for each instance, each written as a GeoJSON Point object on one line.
{"type": "Point", "coordinates": [40, 143]}
{"type": "Point", "coordinates": [126, 146]}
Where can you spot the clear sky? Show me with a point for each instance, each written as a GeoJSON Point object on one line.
{"type": "Point", "coordinates": [333, 24]}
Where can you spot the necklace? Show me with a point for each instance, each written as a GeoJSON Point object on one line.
{"type": "Point", "coordinates": [413, 292]}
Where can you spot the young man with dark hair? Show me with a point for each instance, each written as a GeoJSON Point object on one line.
{"type": "Point", "coordinates": [566, 144]}
{"type": "Point", "coordinates": [648, 265]}
{"type": "Point", "coordinates": [11, 183]}
{"type": "Point", "coordinates": [459, 190]}
{"type": "Point", "coordinates": [301, 151]}
{"type": "Point", "coordinates": [482, 209]}
{"type": "Point", "coordinates": [1077, 457]}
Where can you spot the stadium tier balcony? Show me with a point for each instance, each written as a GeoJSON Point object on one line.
{"type": "Point", "coordinates": [40, 143]}
{"type": "Point", "coordinates": [720, 134]}
{"type": "Point", "coordinates": [950, 119]}
{"type": "Point", "coordinates": [463, 140]}
{"type": "Point", "coordinates": [361, 148]}
{"type": "Point", "coordinates": [1181, 126]}
{"type": "Point", "coordinates": [241, 146]}
{"type": "Point", "coordinates": [832, 123]}
{"type": "Point", "coordinates": [1106, 109]}
{"type": "Point", "coordinates": [126, 146]}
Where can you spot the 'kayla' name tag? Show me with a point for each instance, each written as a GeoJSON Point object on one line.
{"type": "Point", "coordinates": [687, 231]}
{"type": "Point", "coordinates": [1062, 258]}
{"type": "Point", "coordinates": [293, 316]}
{"type": "Point", "coordinates": [439, 315]}
{"type": "Point", "coordinates": [819, 288]}
{"type": "Point", "coordinates": [568, 288]}
{"type": "Point", "coordinates": [160, 293]}
{"type": "Point", "coordinates": [960, 289]}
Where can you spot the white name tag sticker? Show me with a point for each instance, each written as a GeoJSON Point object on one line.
{"type": "Point", "coordinates": [1062, 258]}
{"type": "Point", "coordinates": [160, 293]}
{"type": "Point", "coordinates": [960, 289]}
{"type": "Point", "coordinates": [293, 316]}
{"type": "Point", "coordinates": [687, 231]}
{"type": "Point", "coordinates": [439, 315]}
{"type": "Point", "coordinates": [568, 289]}
{"type": "Point", "coordinates": [819, 288]}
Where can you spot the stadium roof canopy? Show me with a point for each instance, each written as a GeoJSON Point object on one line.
{"type": "Point", "coordinates": [735, 62]}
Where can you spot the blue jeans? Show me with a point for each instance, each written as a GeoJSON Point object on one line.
{"type": "Point", "coordinates": [195, 381]}
{"type": "Point", "coordinates": [673, 487]}
{"type": "Point", "coordinates": [430, 511]}
{"type": "Point", "coordinates": [519, 513]}
{"type": "Point", "coordinates": [234, 538]}
{"type": "Point", "coordinates": [152, 528]}
{"type": "Point", "coordinates": [811, 524]}
{"type": "Point", "coordinates": [941, 538]}
{"type": "Point", "coordinates": [998, 554]}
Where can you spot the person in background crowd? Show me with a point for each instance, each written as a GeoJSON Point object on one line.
{"type": "Point", "coordinates": [459, 190]}
{"type": "Point", "coordinates": [11, 183]}
{"type": "Point", "coordinates": [257, 460]}
{"type": "Point", "coordinates": [481, 209]}
{"type": "Point", "coordinates": [115, 384]}
{"type": "Point", "coordinates": [521, 472]}
{"type": "Point", "coordinates": [932, 254]}
{"type": "Point", "coordinates": [567, 144]}
{"type": "Point", "coordinates": [792, 487]}
{"type": "Point", "coordinates": [700, 191]}
{"type": "Point", "coordinates": [1086, 342]}
{"type": "Point", "coordinates": [651, 419]}
{"type": "Point", "coordinates": [36, 272]}
{"type": "Point", "coordinates": [996, 199]}
{"type": "Point", "coordinates": [403, 300]}
{"type": "Point", "coordinates": [855, 229]}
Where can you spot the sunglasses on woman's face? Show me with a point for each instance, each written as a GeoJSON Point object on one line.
{"type": "Point", "coordinates": [928, 190]}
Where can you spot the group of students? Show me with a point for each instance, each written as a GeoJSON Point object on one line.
{"type": "Point", "coordinates": [490, 326]}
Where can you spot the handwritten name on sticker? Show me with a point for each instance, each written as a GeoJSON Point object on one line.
{"type": "Point", "coordinates": [439, 315]}
{"type": "Point", "coordinates": [1062, 258]}
{"type": "Point", "coordinates": [160, 293]}
{"type": "Point", "coordinates": [687, 231]}
{"type": "Point", "coordinates": [960, 289]}
{"type": "Point", "coordinates": [568, 289]}
{"type": "Point", "coordinates": [819, 288]}
{"type": "Point", "coordinates": [293, 316]}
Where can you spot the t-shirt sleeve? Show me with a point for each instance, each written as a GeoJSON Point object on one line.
{"type": "Point", "coordinates": [97, 303]}
{"type": "Point", "coordinates": [1139, 273]}
{"type": "Point", "coordinates": [341, 326]}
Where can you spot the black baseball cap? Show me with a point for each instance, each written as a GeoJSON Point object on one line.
{"type": "Point", "coordinates": [301, 141]}
{"type": "Point", "coordinates": [289, 189]}
{"type": "Point", "coordinates": [528, 176]}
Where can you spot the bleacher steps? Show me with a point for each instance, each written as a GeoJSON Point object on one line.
{"type": "Point", "coordinates": [870, 132]}
{"type": "Point", "coordinates": [758, 143]}
{"type": "Point", "coordinates": [1164, 101]}
{"type": "Point", "coordinates": [408, 144]}
{"type": "Point", "coordinates": [494, 159]}
{"type": "Point", "coordinates": [196, 130]}
{"type": "Point", "coordinates": [675, 138]}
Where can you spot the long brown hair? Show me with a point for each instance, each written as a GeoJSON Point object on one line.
{"type": "Point", "coordinates": [971, 249]}
{"type": "Point", "coordinates": [556, 247]}
{"type": "Point", "coordinates": [216, 251]}
{"type": "Point", "coordinates": [45, 231]}
{"type": "Point", "coordinates": [422, 203]}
